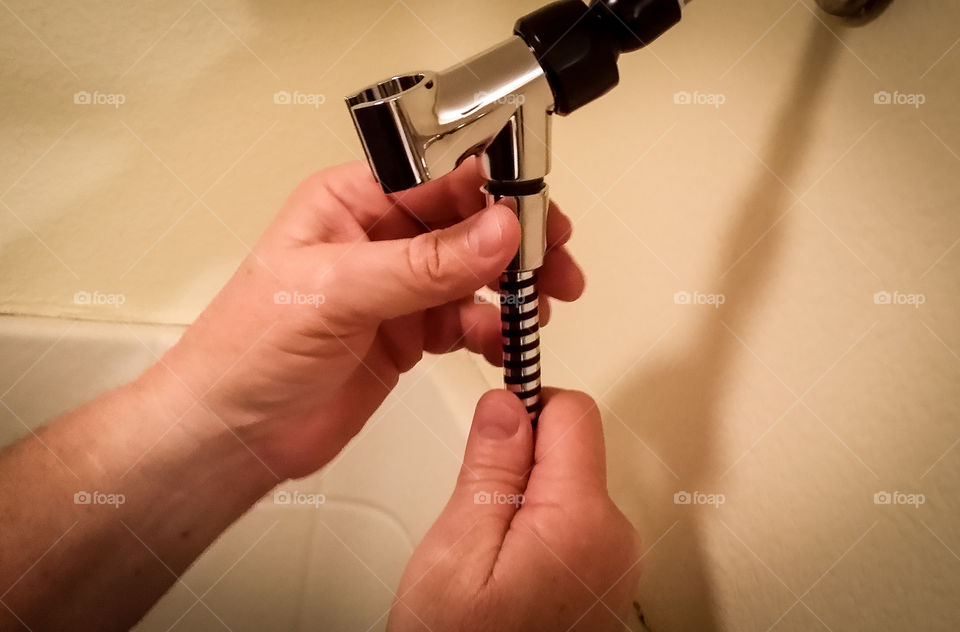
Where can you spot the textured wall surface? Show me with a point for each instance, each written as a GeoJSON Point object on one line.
{"type": "Point", "coordinates": [766, 210]}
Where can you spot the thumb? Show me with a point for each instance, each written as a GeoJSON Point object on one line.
{"type": "Point", "coordinates": [490, 487]}
{"type": "Point", "coordinates": [387, 279]}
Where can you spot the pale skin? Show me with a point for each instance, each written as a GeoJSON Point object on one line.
{"type": "Point", "coordinates": [259, 391]}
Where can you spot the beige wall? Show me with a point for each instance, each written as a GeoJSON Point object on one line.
{"type": "Point", "coordinates": [796, 199]}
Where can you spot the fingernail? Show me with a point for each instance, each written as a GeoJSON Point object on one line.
{"type": "Point", "coordinates": [499, 422]}
{"type": "Point", "coordinates": [486, 234]}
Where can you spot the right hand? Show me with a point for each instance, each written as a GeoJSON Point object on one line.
{"type": "Point", "coordinates": [381, 279]}
{"type": "Point", "coordinates": [566, 559]}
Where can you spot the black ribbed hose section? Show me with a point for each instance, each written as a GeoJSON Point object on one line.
{"type": "Point", "coordinates": [520, 327]}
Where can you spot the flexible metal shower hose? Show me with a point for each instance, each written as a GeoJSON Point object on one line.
{"type": "Point", "coordinates": [520, 323]}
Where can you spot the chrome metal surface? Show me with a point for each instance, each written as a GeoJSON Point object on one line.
{"type": "Point", "coordinates": [443, 117]}
{"type": "Point", "coordinates": [531, 210]}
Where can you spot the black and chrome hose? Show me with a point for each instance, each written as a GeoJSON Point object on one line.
{"type": "Point", "coordinates": [520, 321]}
{"type": "Point", "coordinates": [519, 296]}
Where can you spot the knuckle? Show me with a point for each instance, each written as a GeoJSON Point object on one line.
{"type": "Point", "coordinates": [332, 183]}
{"type": "Point", "coordinates": [481, 477]}
{"type": "Point", "coordinates": [424, 257]}
{"type": "Point", "coordinates": [583, 400]}
{"type": "Point", "coordinates": [312, 184]}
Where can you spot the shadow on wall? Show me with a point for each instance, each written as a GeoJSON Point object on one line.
{"type": "Point", "coordinates": [673, 405]}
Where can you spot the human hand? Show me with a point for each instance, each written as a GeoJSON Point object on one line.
{"type": "Point", "coordinates": [566, 559]}
{"type": "Point", "coordinates": [371, 281]}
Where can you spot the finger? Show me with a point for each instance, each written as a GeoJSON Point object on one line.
{"type": "Point", "coordinates": [403, 339]}
{"type": "Point", "coordinates": [544, 309]}
{"type": "Point", "coordinates": [569, 445]}
{"type": "Point", "coordinates": [560, 276]}
{"type": "Point", "coordinates": [386, 279]}
{"type": "Point", "coordinates": [351, 187]}
{"type": "Point", "coordinates": [473, 325]}
{"type": "Point", "coordinates": [448, 199]}
{"type": "Point", "coordinates": [497, 459]}
{"type": "Point", "coordinates": [465, 323]}
{"type": "Point", "coordinates": [559, 227]}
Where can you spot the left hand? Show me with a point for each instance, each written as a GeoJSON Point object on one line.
{"type": "Point", "coordinates": [344, 292]}
{"type": "Point", "coordinates": [530, 539]}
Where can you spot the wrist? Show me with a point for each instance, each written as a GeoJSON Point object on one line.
{"type": "Point", "coordinates": [169, 477]}
{"type": "Point", "coordinates": [176, 426]}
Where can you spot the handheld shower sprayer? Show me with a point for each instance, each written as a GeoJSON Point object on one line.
{"type": "Point", "coordinates": [419, 126]}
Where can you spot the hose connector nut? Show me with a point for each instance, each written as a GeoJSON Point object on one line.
{"type": "Point", "coordinates": [531, 202]}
